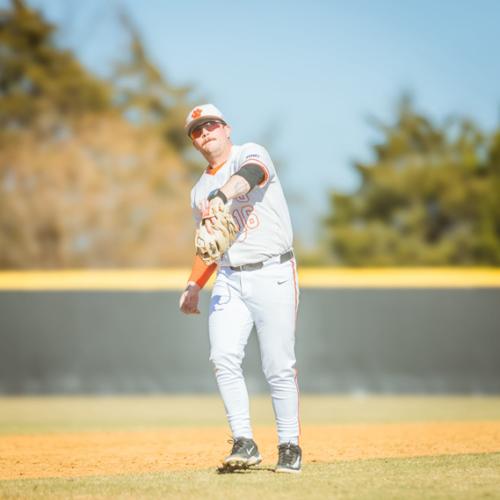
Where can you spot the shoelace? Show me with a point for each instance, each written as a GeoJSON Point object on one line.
{"type": "Point", "coordinates": [238, 444]}
{"type": "Point", "coordinates": [287, 454]}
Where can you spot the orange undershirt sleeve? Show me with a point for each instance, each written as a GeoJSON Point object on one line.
{"type": "Point", "coordinates": [201, 273]}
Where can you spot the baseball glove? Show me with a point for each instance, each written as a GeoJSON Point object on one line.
{"type": "Point", "coordinates": [215, 234]}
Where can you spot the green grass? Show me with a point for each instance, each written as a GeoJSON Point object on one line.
{"type": "Point", "coordinates": [454, 477]}
{"type": "Point", "coordinates": [65, 414]}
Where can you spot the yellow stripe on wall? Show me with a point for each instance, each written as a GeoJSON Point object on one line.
{"type": "Point", "coordinates": [401, 277]}
{"type": "Point", "coordinates": [122, 279]}
{"type": "Point", "coordinates": [175, 279]}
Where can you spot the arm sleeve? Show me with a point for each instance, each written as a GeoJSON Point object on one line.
{"type": "Point", "coordinates": [254, 154]}
{"type": "Point", "coordinates": [200, 273]}
{"type": "Point", "coordinates": [252, 173]}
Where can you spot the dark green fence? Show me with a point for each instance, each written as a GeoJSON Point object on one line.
{"type": "Point", "coordinates": [348, 340]}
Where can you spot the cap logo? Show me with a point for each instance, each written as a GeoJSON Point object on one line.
{"type": "Point", "coordinates": [196, 113]}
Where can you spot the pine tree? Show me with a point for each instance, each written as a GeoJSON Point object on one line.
{"type": "Point", "coordinates": [430, 197]}
{"type": "Point", "coordinates": [146, 96]}
{"type": "Point", "coordinates": [82, 184]}
{"type": "Point", "coordinates": [37, 78]}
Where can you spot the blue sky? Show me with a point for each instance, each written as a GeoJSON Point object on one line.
{"type": "Point", "coordinates": [311, 72]}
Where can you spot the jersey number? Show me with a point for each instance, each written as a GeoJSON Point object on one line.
{"type": "Point", "coordinates": [246, 218]}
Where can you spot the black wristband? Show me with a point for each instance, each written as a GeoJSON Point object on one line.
{"type": "Point", "coordinates": [218, 193]}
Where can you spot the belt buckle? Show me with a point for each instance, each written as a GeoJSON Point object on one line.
{"type": "Point", "coordinates": [252, 267]}
{"type": "Point", "coordinates": [248, 267]}
{"type": "Point", "coordinates": [259, 265]}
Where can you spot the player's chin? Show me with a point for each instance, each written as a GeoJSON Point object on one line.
{"type": "Point", "coordinates": [210, 146]}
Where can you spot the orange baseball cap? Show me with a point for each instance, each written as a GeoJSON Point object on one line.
{"type": "Point", "coordinates": [202, 113]}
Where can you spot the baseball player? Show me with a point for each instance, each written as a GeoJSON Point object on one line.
{"type": "Point", "coordinates": [256, 284]}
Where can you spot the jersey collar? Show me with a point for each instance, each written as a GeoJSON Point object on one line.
{"type": "Point", "coordinates": [213, 170]}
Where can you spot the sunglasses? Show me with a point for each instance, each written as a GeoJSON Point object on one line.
{"type": "Point", "coordinates": [210, 126]}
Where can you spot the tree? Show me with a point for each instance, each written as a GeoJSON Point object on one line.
{"type": "Point", "coordinates": [430, 197]}
{"type": "Point", "coordinates": [39, 79]}
{"type": "Point", "coordinates": [146, 96]}
{"type": "Point", "coordinates": [81, 183]}
{"type": "Point", "coordinates": [109, 195]}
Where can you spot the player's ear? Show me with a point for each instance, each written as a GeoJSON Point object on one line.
{"type": "Point", "coordinates": [227, 130]}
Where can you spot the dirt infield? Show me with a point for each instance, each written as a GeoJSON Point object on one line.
{"type": "Point", "coordinates": [125, 452]}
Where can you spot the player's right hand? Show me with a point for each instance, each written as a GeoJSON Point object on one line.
{"type": "Point", "coordinates": [188, 302]}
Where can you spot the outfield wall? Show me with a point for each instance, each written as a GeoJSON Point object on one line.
{"type": "Point", "coordinates": [350, 338]}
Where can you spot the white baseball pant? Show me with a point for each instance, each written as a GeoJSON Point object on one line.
{"type": "Point", "coordinates": [267, 297]}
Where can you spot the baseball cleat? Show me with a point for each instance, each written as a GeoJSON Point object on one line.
{"type": "Point", "coordinates": [289, 458]}
{"type": "Point", "coordinates": [243, 455]}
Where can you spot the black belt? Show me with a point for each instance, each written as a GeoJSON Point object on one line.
{"type": "Point", "coordinates": [259, 265]}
